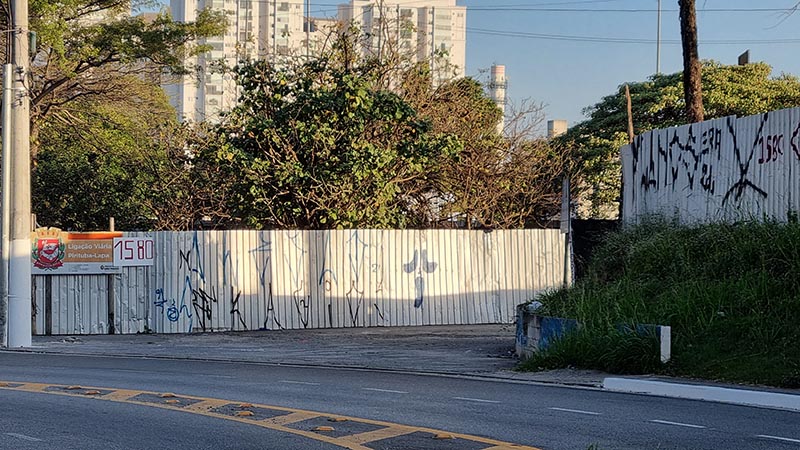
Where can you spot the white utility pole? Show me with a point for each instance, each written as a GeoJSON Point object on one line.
{"type": "Point", "coordinates": [8, 95]}
{"type": "Point", "coordinates": [658, 41]}
{"type": "Point", "coordinates": [19, 272]}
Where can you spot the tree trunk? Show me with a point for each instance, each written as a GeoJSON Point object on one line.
{"type": "Point", "coordinates": [692, 83]}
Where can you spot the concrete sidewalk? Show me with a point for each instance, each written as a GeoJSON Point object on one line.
{"type": "Point", "coordinates": [469, 350]}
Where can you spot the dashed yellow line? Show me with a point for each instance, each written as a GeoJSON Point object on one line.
{"type": "Point", "coordinates": [285, 417]}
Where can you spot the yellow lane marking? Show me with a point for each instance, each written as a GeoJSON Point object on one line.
{"type": "Point", "coordinates": [209, 407]}
{"type": "Point", "coordinates": [33, 387]}
{"type": "Point", "coordinates": [377, 435]}
{"type": "Point", "coordinates": [297, 416]}
{"type": "Point", "coordinates": [120, 395]}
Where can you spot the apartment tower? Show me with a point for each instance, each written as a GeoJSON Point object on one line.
{"type": "Point", "coordinates": [430, 30]}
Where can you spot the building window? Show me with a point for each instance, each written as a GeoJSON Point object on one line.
{"type": "Point", "coordinates": [284, 6]}
{"type": "Point", "coordinates": [213, 89]}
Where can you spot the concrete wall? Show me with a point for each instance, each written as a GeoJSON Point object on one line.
{"type": "Point", "coordinates": [245, 280]}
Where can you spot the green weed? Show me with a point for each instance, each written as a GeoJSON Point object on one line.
{"type": "Point", "coordinates": [731, 293]}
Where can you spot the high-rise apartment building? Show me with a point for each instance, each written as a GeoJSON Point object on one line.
{"type": "Point", "coordinates": [433, 30]}
{"type": "Point", "coordinates": [429, 30]}
{"type": "Point", "coordinates": [256, 29]}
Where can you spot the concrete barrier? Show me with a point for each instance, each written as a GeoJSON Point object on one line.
{"type": "Point", "coordinates": [535, 332]}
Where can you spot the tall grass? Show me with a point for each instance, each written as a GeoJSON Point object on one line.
{"type": "Point", "coordinates": [731, 293]}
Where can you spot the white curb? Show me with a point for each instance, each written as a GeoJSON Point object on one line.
{"type": "Point", "coordinates": [708, 393]}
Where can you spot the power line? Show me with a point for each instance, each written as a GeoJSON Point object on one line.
{"type": "Point", "coordinates": [618, 10]}
{"type": "Point", "coordinates": [614, 40]}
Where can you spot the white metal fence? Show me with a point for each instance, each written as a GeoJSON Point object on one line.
{"type": "Point", "coordinates": [246, 280]}
{"type": "Point", "coordinates": [726, 169]}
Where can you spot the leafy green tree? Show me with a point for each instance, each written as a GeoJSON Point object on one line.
{"type": "Point", "coordinates": [659, 103]}
{"type": "Point", "coordinates": [101, 127]}
{"type": "Point", "coordinates": [106, 160]}
{"type": "Point", "coordinates": [319, 146]}
{"type": "Point", "coordinates": [87, 48]}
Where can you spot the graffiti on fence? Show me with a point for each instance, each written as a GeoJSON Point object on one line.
{"type": "Point", "coordinates": [230, 280]}
{"type": "Point", "coordinates": [356, 256]}
{"type": "Point", "coordinates": [261, 255]}
{"type": "Point", "coordinates": [423, 265]}
{"type": "Point", "coordinates": [271, 321]}
{"type": "Point", "coordinates": [672, 158]}
{"type": "Point", "coordinates": [192, 263]}
{"type": "Point", "coordinates": [718, 163]}
{"type": "Point", "coordinates": [176, 309]}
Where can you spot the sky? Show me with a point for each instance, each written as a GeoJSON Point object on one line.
{"type": "Point", "coordinates": [568, 54]}
{"type": "Point", "coordinates": [569, 75]}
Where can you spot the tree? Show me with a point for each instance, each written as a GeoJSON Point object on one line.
{"type": "Point", "coordinates": [692, 86]}
{"type": "Point", "coordinates": [353, 139]}
{"type": "Point", "coordinates": [317, 146]}
{"type": "Point", "coordinates": [509, 181]}
{"type": "Point", "coordinates": [86, 47]}
{"type": "Point", "coordinates": [100, 122]}
{"type": "Point", "coordinates": [100, 159]}
{"type": "Point", "coordinates": [659, 103]}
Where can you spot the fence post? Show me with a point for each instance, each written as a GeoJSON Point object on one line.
{"type": "Point", "coordinates": [110, 290]}
{"type": "Point", "coordinates": [566, 226]}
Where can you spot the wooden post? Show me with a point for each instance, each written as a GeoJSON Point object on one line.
{"type": "Point", "coordinates": [629, 109]}
{"type": "Point", "coordinates": [630, 114]}
{"type": "Point", "coordinates": [110, 290]}
{"type": "Point", "coordinates": [692, 69]}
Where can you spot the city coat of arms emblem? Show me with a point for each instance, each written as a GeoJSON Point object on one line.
{"type": "Point", "coordinates": [48, 249]}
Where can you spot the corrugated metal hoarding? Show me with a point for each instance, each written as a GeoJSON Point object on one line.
{"type": "Point", "coordinates": [248, 280]}
{"type": "Point", "coordinates": [726, 169]}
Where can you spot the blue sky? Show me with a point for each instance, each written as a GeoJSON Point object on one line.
{"type": "Point", "coordinates": [569, 75]}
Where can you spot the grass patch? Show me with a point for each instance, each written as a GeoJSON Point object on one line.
{"type": "Point", "coordinates": [731, 293]}
{"type": "Point", "coordinates": [606, 349]}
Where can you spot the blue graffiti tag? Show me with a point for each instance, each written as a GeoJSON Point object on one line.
{"type": "Point", "coordinates": [266, 249]}
{"type": "Point", "coordinates": [175, 309]}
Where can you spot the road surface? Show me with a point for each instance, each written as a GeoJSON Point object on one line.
{"type": "Point", "coordinates": [546, 417]}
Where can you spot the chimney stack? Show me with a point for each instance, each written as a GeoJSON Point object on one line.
{"type": "Point", "coordinates": [497, 90]}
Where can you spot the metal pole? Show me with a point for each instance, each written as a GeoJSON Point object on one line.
{"type": "Point", "coordinates": [380, 30]}
{"type": "Point", "coordinates": [433, 46]}
{"type": "Point", "coordinates": [274, 31]}
{"type": "Point", "coordinates": [8, 94]}
{"type": "Point", "coordinates": [308, 29]}
{"type": "Point", "coordinates": [658, 41]}
{"type": "Point", "coordinates": [19, 272]}
{"type": "Point", "coordinates": [110, 280]}
{"type": "Point", "coordinates": [566, 227]}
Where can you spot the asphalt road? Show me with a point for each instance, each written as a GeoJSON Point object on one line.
{"type": "Point", "coordinates": [547, 417]}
